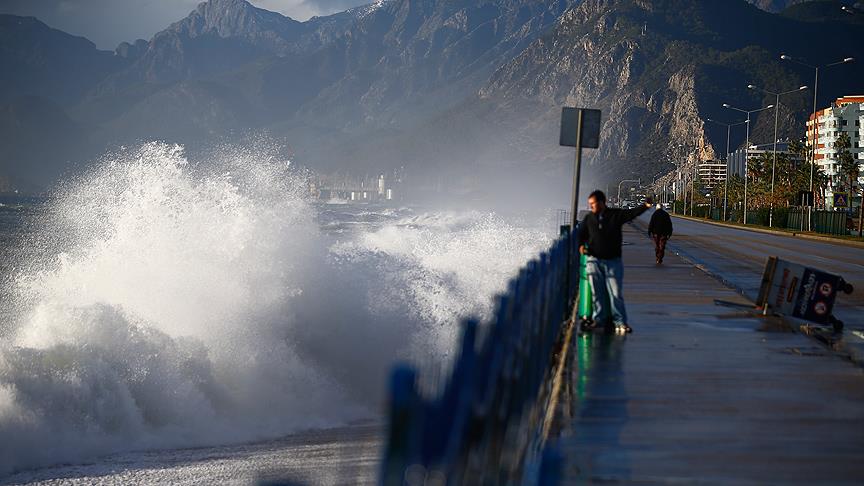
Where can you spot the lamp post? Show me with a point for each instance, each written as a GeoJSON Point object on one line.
{"type": "Point", "coordinates": [654, 183]}
{"type": "Point", "coordinates": [815, 125]}
{"type": "Point", "coordinates": [747, 148]}
{"type": "Point", "coordinates": [774, 159]}
{"type": "Point", "coordinates": [693, 185]}
{"type": "Point", "coordinates": [638, 181]}
{"type": "Point", "coordinates": [726, 179]}
{"type": "Point", "coordinates": [684, 176]}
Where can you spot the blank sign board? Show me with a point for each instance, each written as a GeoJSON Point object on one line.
{"type": "Point", "coordinates": [590, 127]}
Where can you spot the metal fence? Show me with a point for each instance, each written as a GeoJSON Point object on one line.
{"type": "Point", "coordinates": [485, 424]}
{"type": "Point", "coordinates": [826, 222]}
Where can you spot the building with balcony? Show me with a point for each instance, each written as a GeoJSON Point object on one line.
{"type": "Point", "coordinates": [712, 173]}
{"type": "Point", "coordinates": [845, 115]}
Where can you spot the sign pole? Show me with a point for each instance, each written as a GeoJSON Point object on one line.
{"type": "Point", "coordinates": [577, 167]}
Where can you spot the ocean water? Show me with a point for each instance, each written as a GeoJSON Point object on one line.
{"type": "Point", "coordinates": [158, 305]}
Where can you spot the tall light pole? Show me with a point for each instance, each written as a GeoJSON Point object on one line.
{"type": "Point", "coordinates": [747, 148]}
{"type": "Point", "coordinates": [638, 181]}
{"type": "Point", "coordinates": [683, 175]}
{"type": "Point", "coordinates": [693, 185]}
{"type": "Point", "coordinates": [815, 125]}
{"type": "Point", "coordinates": [726, 179]}
{"type": "Point", "coordinates": [774, 159]}
{"type": "Point", "coordinates": [654, 182]}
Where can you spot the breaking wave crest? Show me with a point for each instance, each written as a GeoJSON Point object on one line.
{"type": "Point", "coordinates": [168, 303]}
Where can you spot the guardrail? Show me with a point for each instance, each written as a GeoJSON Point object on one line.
{"type": "Point", "coordinates": [488, 422]}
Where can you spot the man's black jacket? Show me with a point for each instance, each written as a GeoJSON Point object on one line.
{"type": "Point", "coordinates": [661, 223]}
{"type": "Point", "coordinates": [603, 232]}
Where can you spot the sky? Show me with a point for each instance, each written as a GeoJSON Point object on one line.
{"type": "Point", "coordinates": [110, 22]}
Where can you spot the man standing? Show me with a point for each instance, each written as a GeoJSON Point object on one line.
{"type": "Point", "coordinates": [660, 229]}
{"type": "Point", "coordinates": [600, 240]}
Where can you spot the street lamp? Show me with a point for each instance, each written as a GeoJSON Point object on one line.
{"type": "Point", "coordinates": [638, 181]}
{"type": "Point", "coordinates": [774, 160]}
{"type": "Point", "coordinates": [815, 125]}
{"type": "Point", "coordinates": [726, 179]}
{"type": "Point", "coordinates": [747, 147]}
{"type": "Point", "coordinates": [654, 182]}
{"type": "Point", "coordinates": [693, 185]}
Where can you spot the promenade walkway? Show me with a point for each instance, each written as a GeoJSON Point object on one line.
{"type": "Point", "coordinates": [703, 394]}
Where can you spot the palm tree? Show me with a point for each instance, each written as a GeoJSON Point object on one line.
{"type": "Point", "coordinates": [848, 165]}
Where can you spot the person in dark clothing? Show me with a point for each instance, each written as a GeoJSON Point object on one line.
{"type": "Point", "coordinates": [600, 240]}
{"type": "Point", "coordinates": [660, 229]}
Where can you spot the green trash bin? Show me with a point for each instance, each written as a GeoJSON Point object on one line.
{"type": "Point", "coordinates": [586, 306]}
{"type": "Point", "coordinates": [585, 309]}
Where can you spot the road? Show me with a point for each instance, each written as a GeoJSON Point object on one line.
{"type": "Point", "coordinates": [739, 257]}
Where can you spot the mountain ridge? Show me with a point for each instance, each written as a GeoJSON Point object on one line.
{"type": "Point", "coordinates": [455, 85]}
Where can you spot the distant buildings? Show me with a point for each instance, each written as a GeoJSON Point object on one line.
{"type": "Point", "coordinates": [712, 173]}
{"type": "Point", "coordinates": [845, 115]}
{"type": "Point", "coordinates": [735, 164]}
{"type": "Point", "coordinates": [354, 189]}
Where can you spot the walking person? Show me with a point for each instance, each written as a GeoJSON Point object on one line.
{"type": "Point", "coordinates": [660, 230]}
{"type": "Point", "coordinates": [600, 240]}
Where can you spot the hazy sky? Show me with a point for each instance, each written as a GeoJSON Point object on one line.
{"type": "Point", "coordinates": [109, 22]}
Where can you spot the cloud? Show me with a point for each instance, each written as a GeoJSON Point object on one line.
{"type": "Point", "coordinates": [109, 22]}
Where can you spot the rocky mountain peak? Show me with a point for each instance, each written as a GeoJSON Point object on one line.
{"type": "Point", "coordinates": [234, 18]}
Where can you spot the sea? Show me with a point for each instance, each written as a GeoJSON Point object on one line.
{"type": "Point", "coordinates": [169, 320]}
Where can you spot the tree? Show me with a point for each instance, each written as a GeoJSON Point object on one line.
{"type": "Point", "coordinates": [849, 168]}
{"type": "Point", "coordinates": [799, 150]}
{"type": "Point", "coordinates": [759, 185]}
{"type": "Point", "coordinates": [735, 191]}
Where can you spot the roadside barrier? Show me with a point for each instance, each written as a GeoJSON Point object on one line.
{"type": "Point", "coordinates": [825, 222]}
{"type": "Point", "coordinates": [488, 422]}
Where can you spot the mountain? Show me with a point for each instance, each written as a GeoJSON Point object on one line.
{"type": "Point", "coordinates": [775, 6]}
{"type": "Point", "coordinates": [658, 70]}
{"type": "Point", "coordinates": [467, 90]}
{"type": "Point", "coordinates": [38, 142]}
{"type": "Point", "coordinates": [825, 12]}
{"type": "Point", "coordinates": [37, 60]}
{"type": "Point", "coordinates": [44, 72]}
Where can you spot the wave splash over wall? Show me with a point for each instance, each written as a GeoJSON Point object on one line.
{"type": "Point", "coordinates": [171, 304]}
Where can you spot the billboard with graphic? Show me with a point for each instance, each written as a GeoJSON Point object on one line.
{"type": "Point", "coordinates": [798, 291]}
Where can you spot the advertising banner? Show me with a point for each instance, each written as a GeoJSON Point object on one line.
{"type": "Point", "coordinates": [798, 291]}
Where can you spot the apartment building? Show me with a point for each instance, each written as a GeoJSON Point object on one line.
{"type": "Point", "coordinates": [845, 115]}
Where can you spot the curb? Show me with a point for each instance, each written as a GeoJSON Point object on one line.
{"type": "Point", "coordinates": [803, 236]}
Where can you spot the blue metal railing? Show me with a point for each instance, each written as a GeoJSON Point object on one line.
{"type": "Point", "coordinates": [484, 425]}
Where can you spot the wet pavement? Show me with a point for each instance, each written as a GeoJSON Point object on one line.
{"type": "Point", "coordinates": [703, 394]}
{"type": "Point", "coordinates": [738, 256]}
